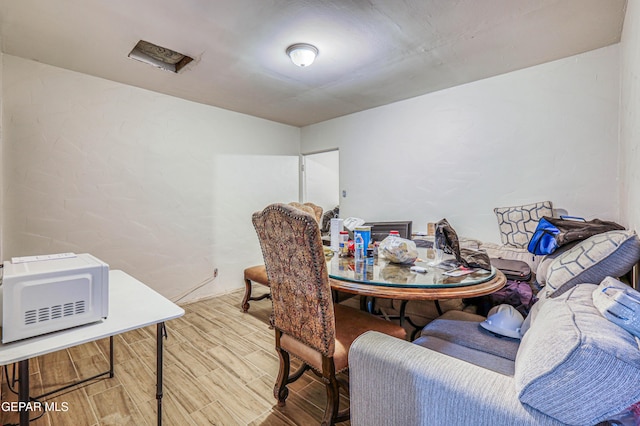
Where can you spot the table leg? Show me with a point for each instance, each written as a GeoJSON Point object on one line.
{"type": "Point", "coordinates": [111, 357]}
{"type": "Point", "coordinates": [404, 317]}
{"type": "Point", "coordinates": [368, 304]}
{"type": "Point", "coordinates": [363, 303]}
{"type": "Point", "coordinates": [23, 391]}
{"type": "Point", "coordinates": [416, 328]}
{"type": "Point", "coordinates": [403, 307]}
{"type": "Point", "coordinates": [438, 308]}
{"type": "Point", "coordinates": [110, 372]}
{"type": "Point", "coordinates": [160, 333]}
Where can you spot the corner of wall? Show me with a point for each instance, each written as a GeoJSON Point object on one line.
{"type": "Point", "coordinates": [629, 118]}
{"type": "Point", "coordinates": [1, 157]}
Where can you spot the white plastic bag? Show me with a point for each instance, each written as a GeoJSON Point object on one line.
{"type": "Point", "coordinates": [398, 250]}
{"type": "Point", "coordinates": [618, 303]}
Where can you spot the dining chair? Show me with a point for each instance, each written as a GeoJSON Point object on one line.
{"type": "Point", "coordinates": [258, 273]}
{"type": "Point", "coordinates": [254, 274]}
{"type": "Point", "coordinates": [317, 211]}
{"type": "Point", "coordinates": [308, 325]}
{"type": "Point", "coordinates": [312, 208]}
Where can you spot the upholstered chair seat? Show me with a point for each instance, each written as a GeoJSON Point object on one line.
{"type": "Point", "coordinates": [254, 274]}
{"type": "Point", "coordinates": [350, 324]}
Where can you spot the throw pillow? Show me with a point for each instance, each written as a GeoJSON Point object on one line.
{"type": "Point", "coordinates": [611, 253]}
{"type": "Point", "coordinates": [518, 223]}
{"type": "Point", "coordinates": [575, 365]}
{"type": "Point", "coordinates": [546, 260]}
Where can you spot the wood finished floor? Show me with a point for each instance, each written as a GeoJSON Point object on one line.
{"type": "Point", "coordinates": [220, 366]}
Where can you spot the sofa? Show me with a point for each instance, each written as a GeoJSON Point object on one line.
{"type": "Point", "coordinates": [572, 365]}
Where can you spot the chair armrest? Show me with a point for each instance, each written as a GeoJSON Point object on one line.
{"type": "Point", "coordinates": [394, 382]}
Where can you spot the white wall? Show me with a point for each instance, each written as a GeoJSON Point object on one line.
{"type": "Point", "coordinates": [164, 188]}
{"type": "Point", "coordinates": [547, 132]}
{"type": "Point", "coordinates": [630, 116]}
{"type": "Point", "coordinates": [157, 186]}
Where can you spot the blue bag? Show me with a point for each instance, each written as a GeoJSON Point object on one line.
{"type": "Point", "coordinates": [544, 238]}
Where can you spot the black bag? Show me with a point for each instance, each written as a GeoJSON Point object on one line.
{"type": "Point", "coordinates": [512, 269]}
{"type": "Point", "coordinates": [446, 239]}
{"type": "Point", "coordinates": [515, 293]}
{"type": "Point", "coordinates": [553, 232]}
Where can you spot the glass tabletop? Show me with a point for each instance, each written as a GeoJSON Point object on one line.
{"type": "Point", "coordinates": [379, 271]}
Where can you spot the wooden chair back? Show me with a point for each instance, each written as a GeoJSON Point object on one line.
{"type": "Point", "coordinates": [297, 271]}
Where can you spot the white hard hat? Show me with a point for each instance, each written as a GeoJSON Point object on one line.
{"type": "Point", "coordinates": [504, 320]}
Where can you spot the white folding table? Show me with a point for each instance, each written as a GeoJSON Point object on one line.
{"type": "Point", "coordinates": [132, 305]}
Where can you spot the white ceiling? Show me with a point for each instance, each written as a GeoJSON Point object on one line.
{"type": "Point", "coordinates": [371, 52]}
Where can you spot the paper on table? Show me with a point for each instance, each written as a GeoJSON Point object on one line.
{"type": "Point", "coordinates": [460, 271]}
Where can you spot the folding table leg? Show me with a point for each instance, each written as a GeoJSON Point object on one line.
{"type": "Point", "coordinates": [23, 391]}
{"type": "Point", "coordinates": [111, 373]}
{"type": "Point", "coordinates": [160, 333]}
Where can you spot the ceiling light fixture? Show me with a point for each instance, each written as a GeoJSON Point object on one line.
{"type": "Point", "coordinates": [302, 54]}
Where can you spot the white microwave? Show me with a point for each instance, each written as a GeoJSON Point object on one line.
{"type": "Point", "coordinates": [43, 294]}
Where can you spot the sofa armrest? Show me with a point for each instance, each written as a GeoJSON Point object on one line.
{"type": "Point", "coordinates": [394, 382]}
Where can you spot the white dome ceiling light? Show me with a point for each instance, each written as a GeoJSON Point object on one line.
{"type": "Point", "coordinates": [302, 54]}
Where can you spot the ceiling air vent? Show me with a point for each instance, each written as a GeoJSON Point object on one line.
{"type": "Point", "coordinates": [161, 57]}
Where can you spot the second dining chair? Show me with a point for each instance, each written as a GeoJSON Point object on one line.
{"type": "Point", "coordinates": [308, 325]}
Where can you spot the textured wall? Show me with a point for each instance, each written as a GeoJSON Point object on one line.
{"type": "Point", "coordinates": [630, 116]}
{"type": "Point", "coordinates": [157, 186]}
{"type": "Point", "coordinates": [164, 188]}
{"type": "Point", "coordinates": [547, 132]}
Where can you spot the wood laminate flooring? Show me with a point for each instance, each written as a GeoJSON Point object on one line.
{"type": "Point", "coordinates": [220, 367]}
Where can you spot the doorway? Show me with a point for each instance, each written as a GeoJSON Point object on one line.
{"type": "Point", "coordinates": [320, 179]}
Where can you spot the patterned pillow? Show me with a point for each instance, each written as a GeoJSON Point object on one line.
{"type": "Point", "coordinates": [518, 223]}
{"type": "Point", "coordinates": [546, 260]}
{"type": "Point", "coordinates": [611, 253]}
{"type": "Point", "coordinates": [574, 365]}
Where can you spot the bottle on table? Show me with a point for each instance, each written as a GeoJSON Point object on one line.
{"type": "Point", "coordinates": [359, 250]}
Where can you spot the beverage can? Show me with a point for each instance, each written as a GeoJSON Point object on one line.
{"type": "Point", "coordinates": [344, 243]}
{"type": "Point", "coordinates": [365, 232]}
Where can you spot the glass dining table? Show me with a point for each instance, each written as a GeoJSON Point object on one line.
{"type": "Point", "coordinates": [379, 278]}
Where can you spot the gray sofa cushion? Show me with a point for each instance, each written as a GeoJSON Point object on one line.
{"type": "Point", "coordinates": [611, 253]}
{"type": "Point", "coordinates": [458, 334]}
{"type": "Point", "coordinates": [574, 365]}
{"type": "Point", "coordinates": [472, 356]}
